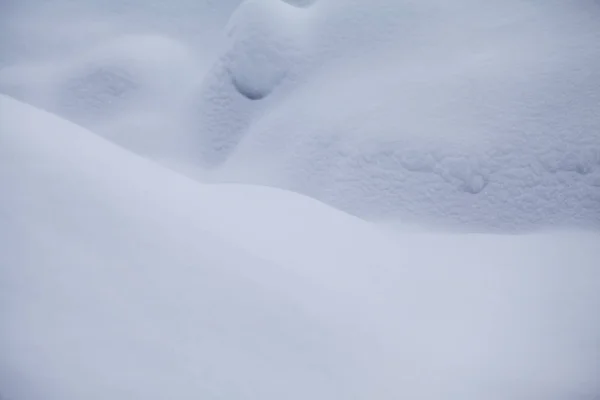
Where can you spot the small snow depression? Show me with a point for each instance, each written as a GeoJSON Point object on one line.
{"type": "Point", "coordinates": [266, 43]}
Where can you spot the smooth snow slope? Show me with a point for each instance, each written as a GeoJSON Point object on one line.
{"type": "Point", "coordinates": [120, 279]}
{"type": "Point", "coordinates": [474, 114]}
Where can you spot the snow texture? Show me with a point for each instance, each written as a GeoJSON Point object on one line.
{"type": "Point", "coordinates": [466, 114]}
{"type": "Point", "coordinates": [243, 199]}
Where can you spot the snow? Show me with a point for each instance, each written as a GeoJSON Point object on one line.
{"type": "Point", "coordinates": [264, 46]}
{"type": "Point", "coordinates": [458, 118]}
{"type": "Point", "coordinates": [117, 262]}
{"type": "Point", "coordinates": [299, 199]}
{"type": "Point", "coordinates": [468, 115]}
{"type": "Point", "coordinates": [123, 279]}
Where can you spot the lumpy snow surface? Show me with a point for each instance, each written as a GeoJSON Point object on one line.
{"type": "Point", "coordinates": [464, 114]}
{"type": "Point", "coordinates": [237, 199]}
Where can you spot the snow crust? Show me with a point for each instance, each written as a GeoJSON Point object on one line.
{"type": "Point", "coordinates": [264, 46]}
{"type": "Point", "coordinates": [465, 114]}
{"type": "Point", "coordinates": [460, 114]}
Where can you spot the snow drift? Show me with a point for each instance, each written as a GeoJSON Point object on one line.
{"type": "Point", "coordinates": [122, 279]}
{"type": "Point", "coordinates": [469, 114]}
{"type": "Point", "coordinates": [457, 113]}
{"type": "Point", "coordinates": [117, 283]}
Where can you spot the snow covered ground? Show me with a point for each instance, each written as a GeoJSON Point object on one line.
{"type": "Point", "coordinates": [473, 114]}
{"type": "Point", "coordinates": [189, 191]}
{"type": "Point", "coordinates": [122, 279]}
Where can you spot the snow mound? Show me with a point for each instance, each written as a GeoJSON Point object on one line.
{"type": "Point", "coordinates": [51, 30]}
{"type": "Point", "coordinates": [121, 279]}
{"type": "Point", "coordinates": [265, 46]}
{"type": "Point", "coordinates": [129, 90]}
{"type": "Point", "coordinates": [481, 116]}
{"type": "Point", "coordinates": [266, 52]}
{"type": "Point", "coordinates": [472, 115]}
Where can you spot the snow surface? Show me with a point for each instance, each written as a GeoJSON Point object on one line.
{"type": "Point", "coordinates": [121, 279]}
{"type": "Point", "coordinates": [485, 116]}
{"type": "Point", "coordinates": [115, 270]}
{"type": "Point", "coordinates": [468, 114]}
{"type": "Point", "coordinates": [124, 275]}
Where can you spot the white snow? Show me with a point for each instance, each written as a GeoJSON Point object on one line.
{"type": "Point", "coordinates": [481, 116]}
{"type": "Point", "coordinates": [264, 46]}
{"type": "Point", "coordinates": [462, 114]}
{"type": "Point", "coordinates": [124, 274]}
{"type": "Point", "coordinates": [122, 279]}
